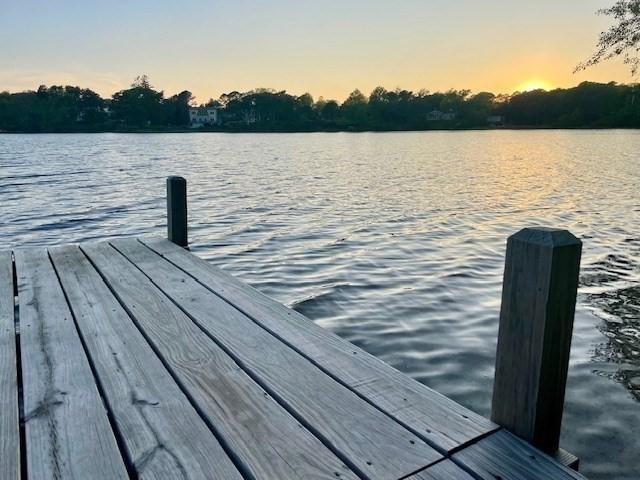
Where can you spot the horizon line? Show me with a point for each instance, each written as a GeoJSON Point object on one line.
{"type": "Point", "coordinates": [317, 98]}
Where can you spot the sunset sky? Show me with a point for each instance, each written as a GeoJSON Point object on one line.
{"type": "Point", "coordinates": [327, 48]}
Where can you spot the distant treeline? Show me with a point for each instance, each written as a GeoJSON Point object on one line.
{"type": "Point", "coordinates": [143, 108]}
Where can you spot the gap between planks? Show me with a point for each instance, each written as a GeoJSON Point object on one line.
{"type": "Point", "coordinates": [10, 438]}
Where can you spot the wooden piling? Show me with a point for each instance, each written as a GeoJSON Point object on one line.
{"type": "Point", "coordinates": [177, 211]}
{"type": "Point", "coordinates": [536, 323]}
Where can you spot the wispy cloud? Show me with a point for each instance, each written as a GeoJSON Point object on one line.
{"type": "Point", "coordinates": [103, 83]}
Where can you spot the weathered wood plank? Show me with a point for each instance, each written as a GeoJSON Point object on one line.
{"type": "Point", "coordinates": [370, 440]}
{"type": "Point", "coordinates": [161, 431]}
{"type": "Point", "coordinates": [444, 470]}
{"type": "Point", "coordinates": [9, 420]}
{"type": "Point", "coordinates": [269, 442]}
{"type": "Point", "coordinates": [503, 455]}
{"type": "Point", "coordinates": [432, 416]}
{"type": "Point", "coordinates": [68, 435]}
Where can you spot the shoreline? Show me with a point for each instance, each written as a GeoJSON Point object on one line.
{"type": "Point", "coordinates": [343, 130]}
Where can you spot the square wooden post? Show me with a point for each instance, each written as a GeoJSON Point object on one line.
{"type": "Point", "coordinates": [536, 322]}
{"type": "Point", "coordinates": [177, 211]}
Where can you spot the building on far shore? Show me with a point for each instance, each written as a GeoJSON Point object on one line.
{"type": "Point", "coordinates": [495, 120]}
{"type": "Point", "coordinates": [201, 116]}
{"type": "Point", "coordinates": [438, 116]}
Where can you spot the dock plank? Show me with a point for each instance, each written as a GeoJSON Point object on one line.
{"type": "Point", "coordinates": [444, 470]}
{"type": "Point", "coordinates": [9, 416]}
{"type": "Point", "coordinates": [503, 455]}
{"type": "Point", "coordinates": [371, 441]}
{"type": "Point", "coordinates": [68, 434]}
{"type": "Point", "coordinates": [162, 432]}
{"type": "Point", "coordinates": [434, 417]}
{"type": "Point", "coordinates": [269, 442]}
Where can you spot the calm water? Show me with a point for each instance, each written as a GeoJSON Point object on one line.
{"type": "Point", "coordinates": [394, 241]}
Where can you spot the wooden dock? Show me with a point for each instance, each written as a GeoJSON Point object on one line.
{"type": "Point", "coordinates": [136, 359]}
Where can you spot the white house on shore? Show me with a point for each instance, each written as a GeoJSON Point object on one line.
{"type": "Point", "coordinates": [438, 116]}
{"type": "Point", "coordinates": [201, 116]}
{"type": "Point", "coordinates": [496, 120]}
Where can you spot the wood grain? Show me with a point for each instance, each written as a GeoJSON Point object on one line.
{"type": "Point", "coordinates": [371, 441]}
{"type": "Point", "coordinates": [444, 470]}
{"type": "Point", "coordinates": [534, 340]}
{"type": "Point", "coordinates": [162, 432]}
{"type": "Point", "coordinates": [68, 435]}
{"type": "Point", "coordinates": [268, 441]}
{"type": "Point", "coordinates": [432, 416]}
{"type": "Point", "coordinates": [9, 420]}
{"type": "Point", "coordinates": [503, 455]}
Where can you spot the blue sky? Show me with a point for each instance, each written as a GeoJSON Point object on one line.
{"type": "Point", "coordinates": [327, 48]}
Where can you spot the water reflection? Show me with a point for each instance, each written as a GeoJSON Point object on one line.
{"type": "Point", "coordinates": [615, 298]}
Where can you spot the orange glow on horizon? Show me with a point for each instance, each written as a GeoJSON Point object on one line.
{"type": "Point", "coordinates": [534, 84]}
{"type": "Point", "coordinates": [499, 47]}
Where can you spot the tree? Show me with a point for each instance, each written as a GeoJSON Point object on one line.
{"type": "Point", "coordinates": [354, 108]}
{"type": "Point", "coordinates": [478, 108]}
{"type": "Point", "coordinates": [328, 110]}
{"type": "Point", "coordinates": [142, 81]}
{"type": "Point", "coordinates": [305, 100]}
{"type": "Point", "coordinates": [378, 104]}
{"type": "Point", "coordinates": [227, 98]}
{"type": "Point", "coordinates": [622, 38]}
{"type": "Point", "coordinates": [52, 109]}
{"type": "Point", "coordinates": [74, 109]}
{"type": "Point", "coordinates": [139, 105]}
{"type": "Point", "coordinates": [305, 113]}
{"type": "Point", "coordinates": [177, 108]}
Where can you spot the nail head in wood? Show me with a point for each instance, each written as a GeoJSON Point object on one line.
{"type": "Point", "coordinates": [534, 339]}
{"type": "Point", "coordinates": [177, 211]}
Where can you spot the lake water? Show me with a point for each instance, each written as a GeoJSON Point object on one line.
{"type": "Point", "coordinates": [394, 241]}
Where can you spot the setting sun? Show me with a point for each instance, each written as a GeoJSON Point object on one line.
{"type": "Point", "coordinates": [533, 84]}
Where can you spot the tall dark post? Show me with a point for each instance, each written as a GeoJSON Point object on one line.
{"type": "Point", "coordinates": [177, 211]}
{"type": "Point", "coordinates": [536, 323]}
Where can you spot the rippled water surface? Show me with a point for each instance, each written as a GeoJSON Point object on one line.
{"type": "Point", "coordinates": [395, 241]}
